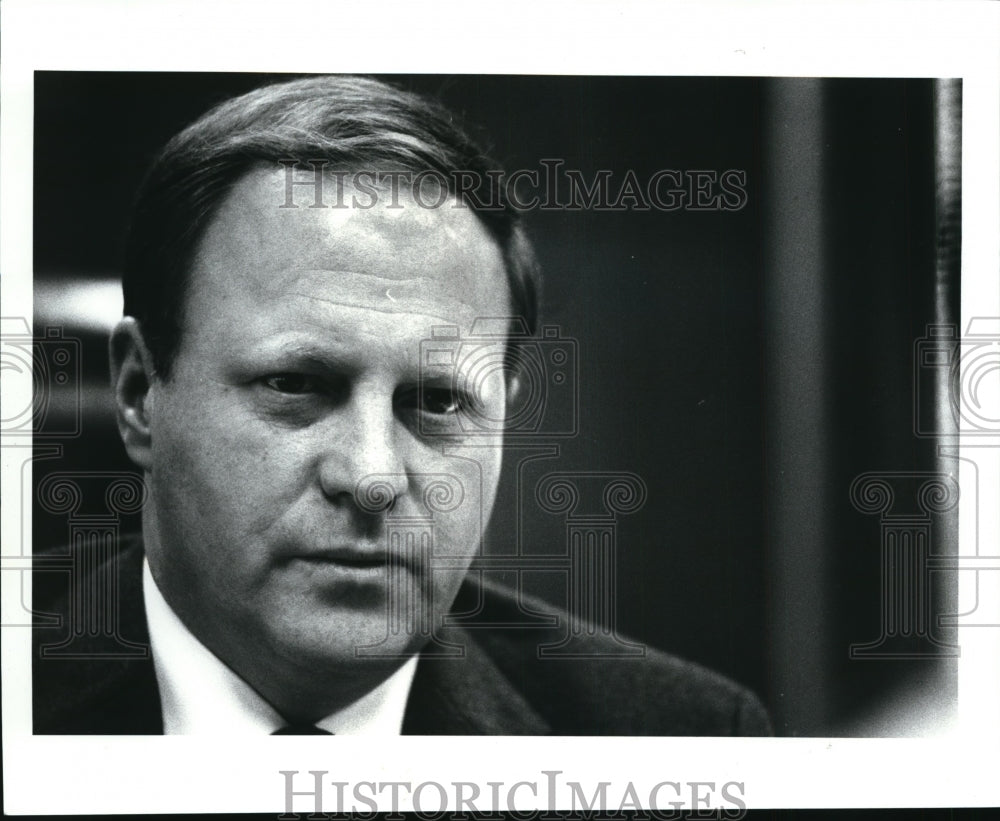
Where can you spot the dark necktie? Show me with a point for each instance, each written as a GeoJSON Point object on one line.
{"type": "Point", "coordinates": [301, 729]}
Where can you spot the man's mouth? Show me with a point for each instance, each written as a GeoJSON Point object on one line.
{"type": "Point", "coordinates": [347, 557]}
{"type": "Point", "coordinates": [347, 560]}
{"type": "Point", "coordinates": [371, 560]}
{"type": "Point", "coordinates": [334, 568]}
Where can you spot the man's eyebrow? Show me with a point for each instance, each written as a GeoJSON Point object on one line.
{"type": "Point", "coordinates": [436, 373]}
{"type": "Point", "coordinates": [308, 353]}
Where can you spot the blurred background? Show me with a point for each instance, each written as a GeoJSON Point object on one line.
{"type": "Point", "coordinates": [747, 364]}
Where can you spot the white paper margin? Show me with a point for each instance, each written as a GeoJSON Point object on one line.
{"type": "Point", "coordinates": [920, 39]}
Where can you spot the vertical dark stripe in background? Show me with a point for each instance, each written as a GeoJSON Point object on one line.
{"type": "Point", "coordinates": [860, 257]}
{"type": "Point", "coordinates": [947, 295]}
{"type": "Point", "coordinates": [881, 267]}
{"type": "Point", "coordinates": [948, 163]}
{"type": "Point", "coordinates": [796, 453]}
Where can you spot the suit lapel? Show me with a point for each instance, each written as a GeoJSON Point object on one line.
{"type": "Point", "coordinates": [467, 696]}
{"type": "Point", "coordinates": [100, 690]}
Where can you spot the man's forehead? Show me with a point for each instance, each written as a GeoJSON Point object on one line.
{"type": "Point", "coordinates": [382, 233]}
{"type": "Point", "coordinates": [318, 291]}
{"type": "Point", "coordinates": [437, 263]}
{"type": "Point", "coordinates": [362, 207]}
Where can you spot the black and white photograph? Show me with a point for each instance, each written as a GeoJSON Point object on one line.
{"type": "Point", "coordinates": [651, 412]}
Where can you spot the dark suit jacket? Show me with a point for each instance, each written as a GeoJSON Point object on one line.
{"type": "Point", "coordinates": [500, 687]}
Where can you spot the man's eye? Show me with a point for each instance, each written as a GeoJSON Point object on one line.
{"type": "Point", "coordinates": [291, 383]}
{"type": "Point", "coordinates": [440, 401]}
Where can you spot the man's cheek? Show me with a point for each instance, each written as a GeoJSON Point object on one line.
{"type": "Point", "coordinates": [217, 456]}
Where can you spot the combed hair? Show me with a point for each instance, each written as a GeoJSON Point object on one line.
{"type": "Point", "coordinates": [352, 123]}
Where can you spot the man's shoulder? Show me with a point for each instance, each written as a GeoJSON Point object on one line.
{"type": "Point", "coordinates": [600, 683]}
{"type": "Point", "coordinates": [92, 668]}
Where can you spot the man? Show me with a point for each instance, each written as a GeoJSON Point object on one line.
{"type": "Point", "coordinates": [317, 490]}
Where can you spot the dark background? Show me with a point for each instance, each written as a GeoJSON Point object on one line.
{"type": "Point", "coordinates": [679, 322]}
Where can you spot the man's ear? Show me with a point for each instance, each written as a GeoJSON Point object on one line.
{"type": "Point", "coordinates": [132, 377]}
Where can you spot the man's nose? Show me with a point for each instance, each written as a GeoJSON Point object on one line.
{"type": "Point", "coordinates": [362, 458]}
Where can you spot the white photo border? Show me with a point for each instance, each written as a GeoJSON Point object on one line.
{"type": "Point", "coordinates": [76, 775]}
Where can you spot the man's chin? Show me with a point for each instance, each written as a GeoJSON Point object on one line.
{"type": "Point", "coordinates": [354, 642]}
{"type": "Point", "coordinates": [315, 669]}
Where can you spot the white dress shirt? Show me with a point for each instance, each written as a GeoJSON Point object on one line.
{"type": "Point", "coordinates": [201, 695]}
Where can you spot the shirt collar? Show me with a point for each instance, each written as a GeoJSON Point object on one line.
{"type": "Point", "coordinates": [200, 694]}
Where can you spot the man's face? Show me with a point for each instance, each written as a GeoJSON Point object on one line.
{"type": "Point", "coordinates": [298, 376]}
